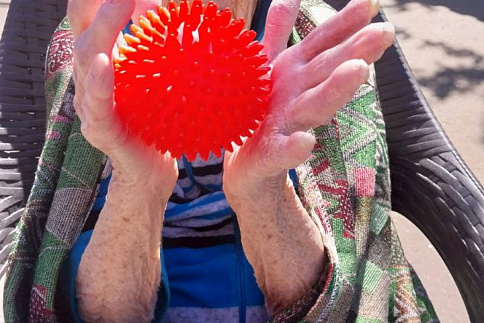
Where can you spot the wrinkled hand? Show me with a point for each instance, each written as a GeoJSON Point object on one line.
{"type": "Point", "coordinates": [311, 81]}
{"type": "Point", "coordinates": [96, 25]}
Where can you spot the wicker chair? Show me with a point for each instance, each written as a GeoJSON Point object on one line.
{"type": "Point", "coordinates": [432, 186]}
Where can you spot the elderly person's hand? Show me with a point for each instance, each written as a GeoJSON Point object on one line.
{"type": "Point", "coordinates": [120, 271]}
{"type": "Point", "coordinates": [96, 25]}
{"type": "Point", "coordinates": [312, 80]}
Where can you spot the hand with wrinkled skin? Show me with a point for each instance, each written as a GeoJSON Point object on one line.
{"type": "Point", "coordinates": [120, 270]}
{"type": "Point", "coordinates": [311, 81]}
{"type": "Point", "coordinates": [95, 34]}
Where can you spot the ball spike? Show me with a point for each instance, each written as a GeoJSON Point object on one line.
{"type": "Point", "coordinates": [187, 35]}
{"type": "Point", "coordinates": [174, 17]}
{"type": "Point", "coordinates": [158, 27]}
{"type": "Point", "coordinates": [135, 29]}
{"type": "Point", "coordinates": [126, 49]}
{"type": "Point", "coordinates": [145, 24]}
{"type": "Point", "coordinates": [225, 17]}
{"type": "Point", "coordinates": [235, 28]}
{"type": "Point", "coordinates": [210, 10]}
{"type": "Point", "coordinates": [131, 40]}
{"type": "Point", "coordinates": [252, 49]}
{"type": "Point", "coordinates": [183, 10]}
{"type": "Point", "coordinates": [195, 15]}
{"type": "Point", "coordinates": [164, 14]}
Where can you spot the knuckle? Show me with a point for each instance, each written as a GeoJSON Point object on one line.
{"type": "Point", "coordinates": [86, 131]}
{"type": "Point", "coordinates": [89, 133]}
{"type": "Point", "coordinates": [77, 102]}
{"type": "Point", "coordinates": [78, 80]}
{"type": "Point", "coordinates": [308, 75]}
{"type": "Point", "coordinates": [94, 110]}
{"type": "Point", "coordinates": [264, 154]}
{"type": "Point", "coordinates": [88, 110]}
{"type": "Point", "coordinates": [336, 95]}
{"type": "Point", "coordinates": [82, 52]}
{"type": "Point", "coordinates": [81, 56]}
{"type": "Point", "coordinates": [293, 118]}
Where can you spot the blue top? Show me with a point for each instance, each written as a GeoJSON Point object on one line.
{"type": "Point", "coordinates": [203, 263]}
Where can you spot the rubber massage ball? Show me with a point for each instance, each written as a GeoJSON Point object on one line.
{"type": "Point", "coordinates": [191, 80]}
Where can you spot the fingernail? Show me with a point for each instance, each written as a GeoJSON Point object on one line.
{"type": "Point", "coordinates": [389, 34]}
{"type": "Point", "coordinates": [374, 6]}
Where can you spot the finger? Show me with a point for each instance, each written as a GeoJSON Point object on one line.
{"type": "Point", "coordinates": [279, 23]}
{"type": "Point", "coordinates": [282, 152]}
{"type": "Point", "coordinates": [318, 105]}
{"type": "Point", "coordinates": [81, 13]}
{"type": "Point", "coordinates": [349, 20]}
{"type": "Point", "coordinates": [296, 149]}
{"type": "Point", "coordinates": [101, 125]}
{"type": "Point", "coordinates": [110, 19]}
{"type": "Point", "coordinates": [368, 44]}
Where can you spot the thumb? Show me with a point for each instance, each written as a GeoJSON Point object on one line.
{"type": "Point", "coordinates": [279, 23]}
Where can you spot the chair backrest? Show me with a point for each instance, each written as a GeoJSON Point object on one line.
{"type": "Point", "coordinates": [27, 32]}
{"type": "Point", "coordinates": [431, 184]}
{"type": "Point", "coordinates": [445, 200]}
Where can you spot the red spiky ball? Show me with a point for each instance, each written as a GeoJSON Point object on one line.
{"type": "Point", "coordinates": [191, 80]}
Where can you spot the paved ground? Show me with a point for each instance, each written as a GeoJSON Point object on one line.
{"type": "Point", "coordinates": [442, 40]}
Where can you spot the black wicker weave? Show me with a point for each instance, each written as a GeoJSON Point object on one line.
{"type": "Point", "coordinates": [431, 184]}
{"type": "Point", "coordinates": [27, 31]}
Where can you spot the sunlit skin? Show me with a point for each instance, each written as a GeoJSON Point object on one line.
{"type": "Point", "coordinates": [120, 270]}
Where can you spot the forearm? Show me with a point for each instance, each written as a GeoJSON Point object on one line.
{"type": "Point", "coordinates": [281, 241]}
{"type": "Point", "coordinates": [119, 273]}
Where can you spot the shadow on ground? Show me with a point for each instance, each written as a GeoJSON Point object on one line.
{"type": "Point", "coordinates": [448, 80]}
{"type": "Point", "coordinates": [473, 8]}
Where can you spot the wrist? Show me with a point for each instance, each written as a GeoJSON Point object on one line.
{"type": "Point", "coordinates": [257, 193]}
{"type": "Point", "coordinates": [159, 176]}
{"type": "Point", "coordinates": [280, 240]}
{"type": "Point", "coordinates": [142, 186]}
